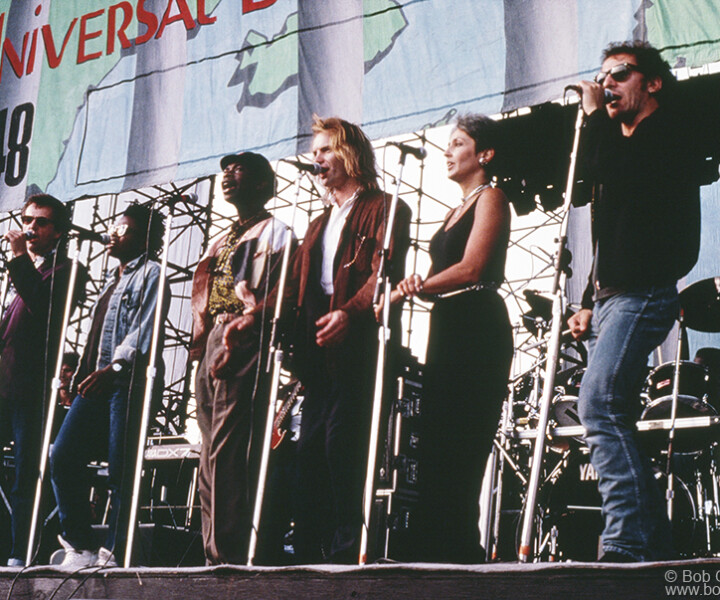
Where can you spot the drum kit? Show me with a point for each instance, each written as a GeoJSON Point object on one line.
{"type": "Point", "coordinates": [678, 427]}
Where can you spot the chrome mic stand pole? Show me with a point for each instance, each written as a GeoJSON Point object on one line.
{"type": "Point", "coordinates": [4, 284]}
{"type": "Point", "coordinates": [149, 385]}
{"type": "Point", "coordinates": [73, 253]}
{"type": "Point", "coordinates": [553, 352]}
{"type": "Point", "coordinates": [276, 355]}
{"type": "Point", "coordinates": [382, 286]}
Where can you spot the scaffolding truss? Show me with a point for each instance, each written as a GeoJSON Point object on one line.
{"type": "Point", "coordinates": [424, 188]}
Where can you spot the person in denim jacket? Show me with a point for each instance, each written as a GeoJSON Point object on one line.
{"type": "Point", "coordinates": [104, 417]}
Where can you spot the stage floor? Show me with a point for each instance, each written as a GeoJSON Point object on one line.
{"type": "Point", "coordinates": [396, 581]}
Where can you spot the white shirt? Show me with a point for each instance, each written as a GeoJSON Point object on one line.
{"type": "Point", "coordinates": [331, 239]}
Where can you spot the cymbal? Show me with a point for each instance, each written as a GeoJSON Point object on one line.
{"type": "Point", "coordinates": [700, 302]}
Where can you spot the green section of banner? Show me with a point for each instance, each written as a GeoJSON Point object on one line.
{"type": "Point", "coordinates": [62, 89]}
{"type": "Point", "coordinates": [383, 22]}
{"type": "Point", "coordinates": [688, 32]}
{"type": "Point", "coordinates": [108, 26]}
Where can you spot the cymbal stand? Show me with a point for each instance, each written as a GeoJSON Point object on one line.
{"type": "Point", "coordinates": [553, 352]}
{"type": "Point", "coordinates": [669, 493]}
{"type": "Point", "coordinates": [276, 356]}
{"type": "Point", "coordinates": [498, 456]}
{"type": "Point", "coordinates": [714, 504]}
{"type": "Point", "coordinates": [704, 507]}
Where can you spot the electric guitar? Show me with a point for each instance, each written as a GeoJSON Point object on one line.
{"type": "Point", "coordinates": [282, 416]}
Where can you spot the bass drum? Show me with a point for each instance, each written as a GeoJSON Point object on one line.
{"type": "Point", "coordinates": [573, 506]}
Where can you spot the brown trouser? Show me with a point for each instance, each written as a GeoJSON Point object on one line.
{"type": "Point", "coordinates": [231, 418]}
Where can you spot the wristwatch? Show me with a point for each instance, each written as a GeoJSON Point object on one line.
{"type": "Point", "coordinates": [117, 367]}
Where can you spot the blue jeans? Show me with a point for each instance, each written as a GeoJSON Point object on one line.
{"type": "Point", "coordinates": [21, 421]}
{"type": "Point", "coordinates": [625, 329]}
{"type": "Point", "coordinates": [93, 428]}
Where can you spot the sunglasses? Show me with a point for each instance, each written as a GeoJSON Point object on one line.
{"type": "Point", "coordinates": [619, 73]}
{"type": "Point", "coordinates": [118, 230]}
{"type": "Point", "coordinates": [39, 221]}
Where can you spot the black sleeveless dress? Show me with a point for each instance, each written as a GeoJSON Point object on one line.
{"type": "Point", "coordinates": [466, 373]}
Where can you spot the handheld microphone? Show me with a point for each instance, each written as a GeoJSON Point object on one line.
{"type": "Point", "coordinates": [607, 94]}
{"type": "Point", "coordinates": [88, 234]}
{"type": "Point", "coordinates": [312, 168]}
{"type": "Point", "coordinates": [418, 153]}
{"type": "Point", "coordinates": [30, 234]}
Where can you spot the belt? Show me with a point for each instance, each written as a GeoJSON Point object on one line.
{"type": "Point", "coordinates": [492, 286]}
{"type": "Point", "coordinates": [223, 318]}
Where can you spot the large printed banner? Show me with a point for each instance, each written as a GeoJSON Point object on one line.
{"type": "Point", "coordinates": [100, 96]}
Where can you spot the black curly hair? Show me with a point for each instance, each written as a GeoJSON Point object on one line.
{"type": "Point", "coordinates": [150, 224]}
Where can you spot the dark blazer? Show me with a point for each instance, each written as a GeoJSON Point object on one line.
{"type": "Point", "coordinates": [28, 346]}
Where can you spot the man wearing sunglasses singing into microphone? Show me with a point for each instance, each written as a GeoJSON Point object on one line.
{"type": "Point", "coordinates": [39, 272]}
{"type": "Point", "coordinates": [638, 154]}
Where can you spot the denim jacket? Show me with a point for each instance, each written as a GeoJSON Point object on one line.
{"type": "Point", "coordinates": [130, 315]}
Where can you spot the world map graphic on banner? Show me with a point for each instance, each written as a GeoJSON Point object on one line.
{"type": "Point", "coordinates": [114, 95]}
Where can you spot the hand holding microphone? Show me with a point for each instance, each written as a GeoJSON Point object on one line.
{"type": "Point", "coordinates": [592, 95]}
{"type": "Point", "coordinates": [18, 240]}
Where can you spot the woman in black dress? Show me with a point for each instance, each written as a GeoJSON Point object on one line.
{"type": "Point", "coordinates": [469, 349]}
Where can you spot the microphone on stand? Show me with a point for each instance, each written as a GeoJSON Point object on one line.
{"type": "Point", "coordinates": [418, 153]}
{"type": "Point", "coordinates": [312, 168]}
{"type": "Point", "coordinates": [190, 198]}
{"type": "Point", "coordinates": [89, 234]}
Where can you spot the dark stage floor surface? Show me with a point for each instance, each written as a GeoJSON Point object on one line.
{"type": "Point", "coordinates": [697, 578]}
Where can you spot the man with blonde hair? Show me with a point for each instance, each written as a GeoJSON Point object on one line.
{"type": "Point", "coordinates": [331, 286]}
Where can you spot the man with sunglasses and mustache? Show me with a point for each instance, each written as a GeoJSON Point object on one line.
{"type": "Point", "coordinates": [639, 156]}
{"type": "Point", "coordinates": [39, 273]}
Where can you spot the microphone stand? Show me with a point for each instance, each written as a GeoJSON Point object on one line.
{"type": "Point", "coordinates": [73, 254]}
{"type": "Point", "coordinates": [382, 286]}
{"type": "Point", "coordinates": [669, 493]}
{"type": "Point", "coordinates": [553, 352]}
{"type": "Point", "coordinates": [4, 284]}
{"type": "Point", "coordinates": [150, 375]}
{"type": "Point", "coordinates": [276, 355]}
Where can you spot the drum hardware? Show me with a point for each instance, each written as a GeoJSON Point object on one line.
{"type": "Point", "coordinates": [699, 309]}
{"type": "Point", "coordinates": [553, 543]}
{"type": "Point", "coordinates": [679, 404]}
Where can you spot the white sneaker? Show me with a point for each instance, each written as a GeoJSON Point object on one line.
{"type": "Point", "coordinates": [75, 559]}
{"type": "Point", "coordinates": [15, 562]}
{"type": "Point", "coordinates": [105, 558]}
